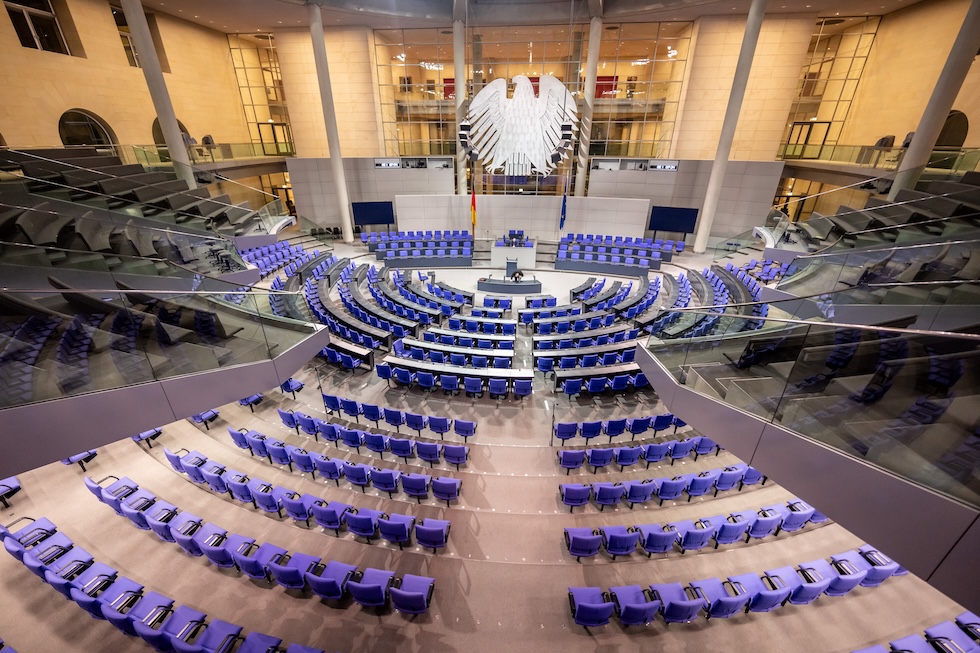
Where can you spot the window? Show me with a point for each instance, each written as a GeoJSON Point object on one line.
{"type": "Point", "coordinates": [78, 127]}
{"type": "Point", "coordinates": [125, 36]}
{"type": "Point", "coordinates": [36, 25]}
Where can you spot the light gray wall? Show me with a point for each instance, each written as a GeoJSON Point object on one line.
{"type": "Point", "coordinates": [746, 195]}
{"type": "Point", "coordinates": [538, 215]}
{"type": "Point", "coordinates": [313, 187]}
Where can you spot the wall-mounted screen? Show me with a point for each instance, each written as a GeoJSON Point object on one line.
{"type": "Point", "coordinates": [670, 218]}
{"type": "Point", "coordinates": [366, 213]}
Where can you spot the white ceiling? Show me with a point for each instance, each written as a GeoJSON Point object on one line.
{"type": "Point", "coordinates": [244, 16]}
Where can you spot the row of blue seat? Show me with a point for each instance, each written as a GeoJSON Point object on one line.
{"type": "Point", "coordinates": [691, 535]}
{"type": "Point", "coordinates": [961, 636]}
{"type": "Point", "coordinates": [403, 448]}
{"type": "Point", "coordinates": [586, 340]}
{"type": "Point", "coordinates": [374, 413]}
{"type": "Point", "coordinates": [466, 341]}
{"type": "Point", "coordinates": [574, 326]}
{"type": "Point", "coordinates": [490, 328]}
{"type": "Point", "coordinates": [407, 293]}
{"type": "Point", "coordinates": [386, 236]}
{"type": "Point", "coordinates": [449, 383]}
{"type": "Point", "coordinates": [714, 598]}
{"type": "Point", "coordinates": [613, 427]}
{"type": "Point", "coordinates": [296, 571]}
{"type": "Point", "coordinates": [597, 384]}
{"type": "Point", "coordinates": [597, 239]}
{"type": "Point", "coordinates": [641, 491]}
{"type": "Point", "coordinates": [570, 459]}
{"type": "Point", "coordinates": [104, 594]}
{"type": "Point", "coordinates": [547, 363]}
{"type": "Point", "coordinates": [270, 258]}
{"type": "Point", "coordinates": [459, 360]}
{"type": "Point", "coordinates": [280, 453]}
{"type": "Point", "coordinates": [397, 309]}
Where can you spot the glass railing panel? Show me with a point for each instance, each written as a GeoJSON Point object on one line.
{"type": "Point", "coordinates": [903, 400]}
{"type": "Point", "coordinates": [59, 343]}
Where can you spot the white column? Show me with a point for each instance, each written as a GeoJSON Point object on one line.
{"type": "Point", "coordinates": [753, 26]}
{"type": "Point", "coordinates": [585, 125]}
{"type": "Point", "coordinates": [459, 71]}
{"type": "Point", "coordinates": [330, 122]}
{"type": "Point", "coordinates": [934, 116]}
{"type": "Point", "coordinates": [150, 65]}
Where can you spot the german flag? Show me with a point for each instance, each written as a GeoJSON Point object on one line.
{"type": "Point", "coordinates": [473, 211]}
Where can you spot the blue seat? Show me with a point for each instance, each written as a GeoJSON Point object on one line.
{"type": "Point", "coordinates": [147, 606]}
{"type": "Point", "coordinates": [464, 428]}
{"type": "Point", "coordinates": [805, 585]}
{"type": "Point", "coordinates": [599, 458]}
{"type": "Point", "coordinates": [575, 494]}
{"type": "Point", "coordinates": [416, 485]}
{"type": "Point", "coordinates": [522, 388]}
{"type": "Point", "coordinates": [693, 535]}
{"type": "Point", "coordinates": [571, 387]}
{"type": "Point", "coordinates": [402, 447]}
{"type": "Point", "coordinates": [446, 489]}
{"type": "Point", "coordinates": [397, 528]}
{"type": "Point", "coordinates": [730, 528]}
{"type": "Point", "coordinates": [948, 636]}
{"type": "Point", "coordinates": [877, 566]}
{"type": "Point", "coordinates": [455, 454]}
{"type": "Point", "coordinates": [702, 483]}
{"type": "Point", "coordinates": [363, 522]}
{"type": "Point", "coordinates": [626, 456]}
{"type": "Point", "coordinates": [351, 408]}
{"type": "Point", "coordinates": [681, 449]}
{"type": "Point", "coordinates": [385, 480]}
{"type": "Point", "coordinates": [570, 459]}
{"type": "Point", "coordinates": [912, 644]}
{"type": "Point", "coordinates": [289, 570]}
{"type": "Point", "coordinates": [372, 413]}
{"type": "Point", "coordinates": [639, 491]}
{"type": "Point", "coordinates": [763, 525]}
{"type": "Point", "coordinates": [412, 594]}
{"type": "Point", "coordinates": [330, 515]}
{"type": "Point", "coordinates": [637, 426]}
{"type": "Point", "coordinates": [608, 494]}
{"type": "Point", "coordinates": [370, 588]}
{"type": "Point", "coordinates": [440, 425]}
{"type": "Point", "coordinates": [768, 592]}
{"type": "Point", "coordinates": [394, 418]}
{"type": "Point", "coordinates": [654, 453]}
{"type": "Point", "coordinates": [432, 533]}
{"type": "Point", "coordinates": [473, 387]}
{"type": "Point", "coordinates": [635, 605]}
{"type": "Point", "coordinates": [590, 606]}
{"type": "Point", "coordinates": [597, 384]}
{"type": "Point", "coordinates": [678, 604]}
{"type": "Point", "coordinates": [357, 474]}
{"type": "Point", "coordinates": [582, 542]}
{"type": "Point", "coordinates": [614, 427]}
{"type": "Point", "coordinates": [449, 383]}
{"type": "Point", "coordinates": [403, 376]}
{"type": "Point", "coordinates": [619, 540]}
{"type": "Point", "coordinates": [352, 438]}
{"type": "Point", "coordinates": [672, 488]}
{"type": "Point", "coordinates": [722, 598]}
{"type": "Point", "coordinates": [795, 515]}
{"type": "Point", "coordinates": [565, 430]}
{"type": "Point", "coordinates": [426, 380]}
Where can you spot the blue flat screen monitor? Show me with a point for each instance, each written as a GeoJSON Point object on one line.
{"type": "Point", "coordinates": [366, 213]}
{"type": "Point", "coordinates": [670, 218]}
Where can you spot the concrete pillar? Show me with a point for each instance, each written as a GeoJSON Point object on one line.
{"type": "Point", "coordinates": [150, 65]}
{"type": "Point", "coordinates": [330, 122]}
{"type": "Point", "coordinates": [459, 70]}
{"type": "Point", "coordinates": [753, 25]}
{"type": "Point", "coordinates": [588, 94]}
{"type": "Point", "coordinates": [957, 66]}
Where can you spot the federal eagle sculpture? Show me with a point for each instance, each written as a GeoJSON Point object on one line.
{"type": "Point", "coordinates": [524, 134]}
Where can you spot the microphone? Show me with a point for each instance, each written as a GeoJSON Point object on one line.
{"type": "Point", "coordinates": [491, 276]}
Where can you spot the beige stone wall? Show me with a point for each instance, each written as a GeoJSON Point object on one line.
{"type": "Point", "coordinates": [354, 79]}
{"type": "Point", "coordinates": [779, 57]}
{"type": "Point", "coordinates": [38, 86]}
{"type": "Point", "coordinates": [908, 54]}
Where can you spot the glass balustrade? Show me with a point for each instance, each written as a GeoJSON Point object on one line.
{"type": "Point", "coordinates": [68, 341]}
{"type": "Point", "coordinates": [905, 400]}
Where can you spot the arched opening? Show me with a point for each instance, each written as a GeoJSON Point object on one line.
{"type": "Point", "coordinates": [78, 127]}
{"type": "Point", "coordinates": [158, 131]}
{"type": "Point", "coordinates": [954, 130]}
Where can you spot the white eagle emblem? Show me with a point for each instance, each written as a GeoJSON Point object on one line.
{"type": "Point", "coordinates": [523, 134]}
